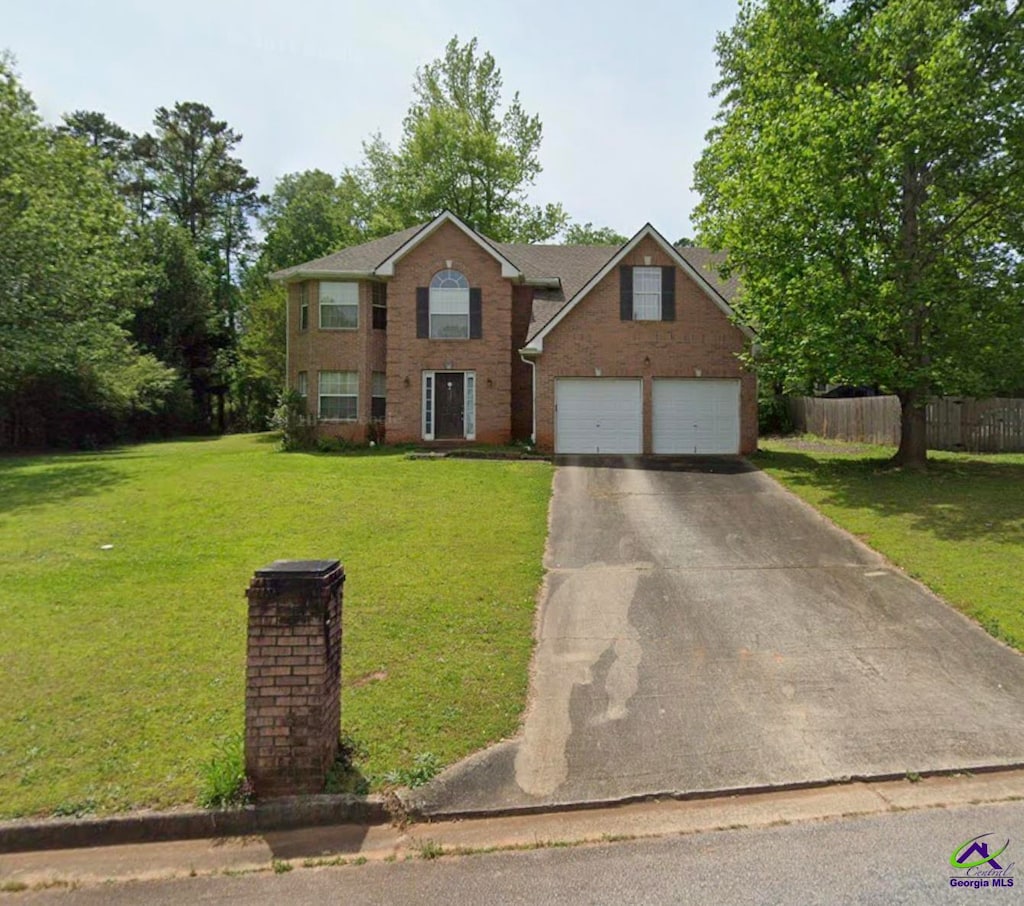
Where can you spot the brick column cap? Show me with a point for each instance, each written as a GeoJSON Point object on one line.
{"type": "Point", "coordinates": [299, 569]}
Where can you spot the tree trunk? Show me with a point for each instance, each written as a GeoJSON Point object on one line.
{"type": "Point", "coordinates": [913, 449]}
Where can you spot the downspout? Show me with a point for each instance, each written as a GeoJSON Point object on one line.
{"type": "Point", "coordinates": [533, 392]}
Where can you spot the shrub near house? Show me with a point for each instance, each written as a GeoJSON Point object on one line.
{"type": "Point", "coordinates": [443, 335]}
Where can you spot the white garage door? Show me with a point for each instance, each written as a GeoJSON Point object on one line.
{"type": "Point", "coordinates": [696, 416]}
{"type": "Point", "coordinates": [598, 415]}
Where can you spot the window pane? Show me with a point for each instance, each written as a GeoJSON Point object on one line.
{"type": "Point", "coordinates": [303, 384]}
{"type": "Point", "coordinates": [338, 407]}
{"type": "Point", "coordinates": [330, 382]}
{"type": "Point", "coordinates": [380, 382]}
{"type": "Point", "coordinates": [647, 307]}
{"type": "Point", "coordinates": [647, 293]}
{"type": "Point", "coordinates": [470, 407]}
{"type": "Point", "coordinates": [647, 279]}
{"type": "Point", "coordinates": [337, 382]}
{"type": "Point", "coordinates": [449, 301]}
{"type": "Point", "coordinates": [339, 293]}
{"type": "Point", "coordinates": [333, 316]}
{"type": "Point", "coordinates": [449, 279]}
{"type": "Point", "coordinates": [379, 297]}
{"type": "Point", "coordinates": [449, 327]}
{"type": "Point", "coordinates": [378, 408]}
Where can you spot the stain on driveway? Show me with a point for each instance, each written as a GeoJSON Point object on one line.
{"type": "Point", "coordinates": [703, 630]}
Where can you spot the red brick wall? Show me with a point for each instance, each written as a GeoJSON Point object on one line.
{"type": "Point", "coordinates": [593, 337]}
{"type": "Point", "coordinates": [314, 350]}
{"type": "Point", "coordinates": [408, 356]}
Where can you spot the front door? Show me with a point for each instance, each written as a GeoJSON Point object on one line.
{"type": "Point", "coordinates": [450, 397]}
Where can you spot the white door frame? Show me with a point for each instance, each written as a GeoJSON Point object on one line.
{"type": "Point", "coordinates": [428, 402]}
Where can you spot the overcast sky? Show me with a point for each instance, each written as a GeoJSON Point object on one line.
{"type": "Point", "coordinates": [622, 90]}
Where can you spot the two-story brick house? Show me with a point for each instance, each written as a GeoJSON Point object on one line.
{"type": "Point", "coordinates": [445, 335]}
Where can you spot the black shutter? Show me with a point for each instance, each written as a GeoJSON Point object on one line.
{"type": "Point", "coordinates": [476, 315]}
{"type": "Point", "coordinates": [422, 312]}
{"type": "Point", "coordinates": [668, 294]}
{"type": "Point", "coordinates": [625, 293]}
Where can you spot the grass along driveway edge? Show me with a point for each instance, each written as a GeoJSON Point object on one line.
{"type": "Point", "coordinates": [122, 609]}
{"type": "Point", "coordinates": [958, 528]}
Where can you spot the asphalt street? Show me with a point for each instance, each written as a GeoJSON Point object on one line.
{"type": "Point", "coordinates": [895, 858]}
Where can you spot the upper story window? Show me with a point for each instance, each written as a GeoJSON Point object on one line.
{"type": "Point", "coordinates": [379, 298]}
{"type": "Point", "coordinates": [339, 305]}
{"type": "Point", "coordinates": [449, 306]}
{"type": "Point", "coordinates": [303, 306]}
{"type": "Point", "coordinates": [646, 293]}
{"type": "Point", "coordinates": [449, 309]}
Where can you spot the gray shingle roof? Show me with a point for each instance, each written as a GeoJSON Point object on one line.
{"type": "Point", "coordinates": [356, 258]}
{"type": "Point", "coordinates": [571, 265]}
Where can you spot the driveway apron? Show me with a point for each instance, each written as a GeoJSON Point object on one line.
{"type": "Point", "coordinates": [702, 629]}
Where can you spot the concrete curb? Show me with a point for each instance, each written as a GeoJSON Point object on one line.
{"type": "Point", "coordinates": [420, 810]}
{"type": "Point", "coordinates": [150, 827]}
{"type": "Point", "coordinates": [298, 812]}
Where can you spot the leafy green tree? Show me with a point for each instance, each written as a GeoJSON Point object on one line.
{"type": "Point", "coordinates": [588, 234]}
{"type": "Point", "coordinates": [198, 182]}
{"type": "Point", "coordinates": [461, 151]}
{"type": "Point", "coordinates": [69, 281]}
{"type": "Point", "coordinates": [178, 323]}
{"type": "Point", "coordinates": [866, 175]}
{"type": "Point", "coordinates": [126, 154]}
{"type": "Point", "coordinates": [111, 141]}
{"type": "Point", "coordinates": [308, 215]}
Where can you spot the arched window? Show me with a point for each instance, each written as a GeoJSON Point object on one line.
{"type": "Point", "coordinates": [449, 306]}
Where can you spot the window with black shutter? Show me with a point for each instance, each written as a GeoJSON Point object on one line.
{"type": "Point", "coordinates": [668, 293]}
{"type": "Point", "coordinates": [626, 293]}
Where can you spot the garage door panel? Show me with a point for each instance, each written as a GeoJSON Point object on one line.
{"type": "Point", "coordinates": [699, 416]}
{"type": "Point", "coordinates": [598, 415]}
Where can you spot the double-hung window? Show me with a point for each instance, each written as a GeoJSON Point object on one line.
{"type": "Point", "coordinates": [339, 395]}
{"type": "Point", "coordinates": [302, 384]}
{"type": "Point", "coordinates": [379, 298]}
{"type": "Point", "coordinates": [339, 305]}
{"type": "Point", "coordinates": [449, 306]}
{"type": "Point", "coordinates": [378, 395]}
{"type": "Point", "coordinates": [646, 293]}
{"type": "Point", "coordinates": [303, 306]}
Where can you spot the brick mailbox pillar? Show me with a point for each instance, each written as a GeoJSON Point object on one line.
{"type": "Point", "coordinates": [293, 675]}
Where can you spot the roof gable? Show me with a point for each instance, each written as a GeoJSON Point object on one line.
{"type": "Point", "coordinates": [536, 342]}
{"type": "Point", "coordinates": [387, 267]}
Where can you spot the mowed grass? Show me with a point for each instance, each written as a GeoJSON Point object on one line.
{"type": "Point", "coordinates": [959, 527]}
{"type": "Point", "coordinates": [124, 669]}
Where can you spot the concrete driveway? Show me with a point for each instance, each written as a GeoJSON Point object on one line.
{"type": "Point", "coordinates": [704, 630]}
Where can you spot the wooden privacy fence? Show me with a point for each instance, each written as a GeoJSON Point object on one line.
{"type": "Point", "coordinates": [978, 426]}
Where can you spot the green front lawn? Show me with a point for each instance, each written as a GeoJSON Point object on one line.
{"type": "Point", "coordinates": [959, 527]}
{"type": "Point", "coordinates": [124, 669]}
